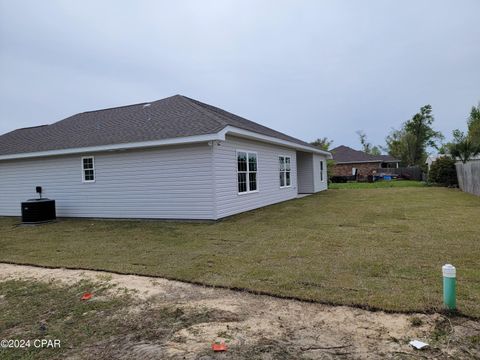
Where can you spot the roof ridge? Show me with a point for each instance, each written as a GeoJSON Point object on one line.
{"type": "Point", "coordinates": [207, 108]}
{"type": "Point", "coordinates": [116, 107]}
{"type": "Point", "coordinates": [30, 127]}
{"type": "Point", "coordinates": [218, 113]}
{"type": "Point", "coordinates": [211, 114]}
{"type": "Point", "coordinates": [345, 146]}
{"type": "Point", "coordinates": [346, 153]}
{"type": "Point", "coordinates": [172, 117]}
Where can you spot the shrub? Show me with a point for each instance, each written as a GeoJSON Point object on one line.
{"type": "Point", "coordinates": [443, 171]}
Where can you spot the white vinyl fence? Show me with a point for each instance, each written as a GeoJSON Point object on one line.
{"type": "Point", "coordinates": [469, 176]}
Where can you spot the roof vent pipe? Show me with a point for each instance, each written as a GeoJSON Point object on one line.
{"type": "Point", "coordinates": [145, 108]}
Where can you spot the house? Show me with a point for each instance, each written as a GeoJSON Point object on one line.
{"type": "Point", "coordinates": [432, 158]}
{"type": "Point", "coordinates": [354, 162]}
{"type": "Point", "coordinates": [175, 158]}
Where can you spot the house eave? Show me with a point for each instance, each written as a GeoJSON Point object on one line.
{"type": "Point", "coordinates": [366, 162]}
{"type": "Point", "coordinates": [219, 136]}
{"type": "Point", "coordinates": [115, 147]}
{"type": "Point", "coordinates": [356, 162]}
{"type": "Point", "coordinates": [272, 140]}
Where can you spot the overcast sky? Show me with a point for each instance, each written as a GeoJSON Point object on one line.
{"type": "Point", "coordinates": [306, 68]}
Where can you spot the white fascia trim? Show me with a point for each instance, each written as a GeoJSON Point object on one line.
{"type": "Point", "coordinates": [369, 161]}
{"type": "Point", "coordinates": [357, 162]}
{"type": "Point", "coordinates": [220, 136]}
{"type": "Point", "coordinates": [273, 140]}
{"type": "Point", "coordinates": [113, 147]}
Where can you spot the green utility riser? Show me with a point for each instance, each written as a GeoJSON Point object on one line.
{"type": "Point", "coordinates": [449, 290]}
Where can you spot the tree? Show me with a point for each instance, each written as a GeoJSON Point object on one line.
{"type": "Point", "coordinates": [410, 143]}
{"type": "Point", "coordinates": [396, 145]}
{"type": "Point", "coordinates": [463, 147]}
{"type": "Point", "coordinates": [421, 127]}
{"type": "Point", "coordinates": [368, 147]}
{"type": "Point", "coordinates": [444, 149]}
{"type": "Point", "coordinates": [322, 143]}
{"type": "Point", "coordinates": [474, 125]}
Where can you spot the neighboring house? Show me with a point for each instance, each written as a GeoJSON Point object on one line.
{"type": "Point", "coordinates": [431, 158]}
{"type": "Point", "coordinates": [354, 162]}
{"type": "Point", "coordinates": [175, 158]}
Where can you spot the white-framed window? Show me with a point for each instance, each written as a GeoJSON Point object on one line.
{"type": "Point", "coordinates": [247, 171]}
{"type": "Point", "coordinates": [88, 169]}
{"type": "Point", "coordinates": [321, 170]}
{"type": "Point", "coordinates": [285, 171]}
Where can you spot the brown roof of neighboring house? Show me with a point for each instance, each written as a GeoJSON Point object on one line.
{"type": "Point", "coordinates": [345, 154]}
{"type": "Point", "coordinates": [172, 117]}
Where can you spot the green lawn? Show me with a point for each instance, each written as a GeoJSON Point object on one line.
{"type": "Point", "coordinates": [377, 184]}
{"type": "Point", "coordinates": [380, 248]}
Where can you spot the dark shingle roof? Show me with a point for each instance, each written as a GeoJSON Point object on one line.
{"type": "Point", "coordinates": [387, 158]}
{"type": "Point", "coordinates": [172, 117]}
{"type": "Point", "coordinates": [345, 154]}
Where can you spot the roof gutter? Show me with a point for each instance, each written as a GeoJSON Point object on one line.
{"type": "Point", "coordinates": [358, 162]}
{"type": "Point", "coordinates": [366, 161]}
{"type": "Point", "coordinates": [272, 140]}
{"type": "Point", "coordinates": [116, 147]}
{"type": "Point", "coordinates": [220, 136]}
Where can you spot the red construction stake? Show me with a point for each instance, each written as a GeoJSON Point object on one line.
{"type": "Point", "coordinates": [86, 296]}
{"type": "Point", "coordinates": [219, 347]}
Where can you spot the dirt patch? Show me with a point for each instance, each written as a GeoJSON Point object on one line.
{"type": "Point", "coordinates": [260, 327]}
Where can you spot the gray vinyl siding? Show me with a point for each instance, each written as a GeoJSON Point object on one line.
{"type": "Point", "coordinates": [320, 185]}
{"type": "Point", "coordinates": [167, 183]}
{"type": "Point", "coordinates": [227, 199]}
{"type": "Point", "coordinates": [305, 173]}
{"type": "Point", "coordinates": [175, 182]}
{"type": "Point", "coordinates": [309, 177]}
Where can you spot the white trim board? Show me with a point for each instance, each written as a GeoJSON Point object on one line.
{"type": "Point", "coordinates": [220, 136]}
{"type": "Point", "coordinates": [113, 147]}
{"type": "Point", "coordinates": [365, 162]}
{"type": "Point", "coordinates": [273, 140]}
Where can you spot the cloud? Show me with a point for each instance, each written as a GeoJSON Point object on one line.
{"type": "Point", "coordinates": [308, 68]}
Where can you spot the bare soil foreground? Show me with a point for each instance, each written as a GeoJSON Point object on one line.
{"type": "Point", "coordinates": [254, 327]}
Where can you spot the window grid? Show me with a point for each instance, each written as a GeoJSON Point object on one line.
{"type": "Point", "coordinates": [321, 170]}
{"type": "Point", "coordinates": [247, 172]}
{"type": "Point", "coordinates": [285, 171]}
{"type": "Point", "coordinates": [88, 169]}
